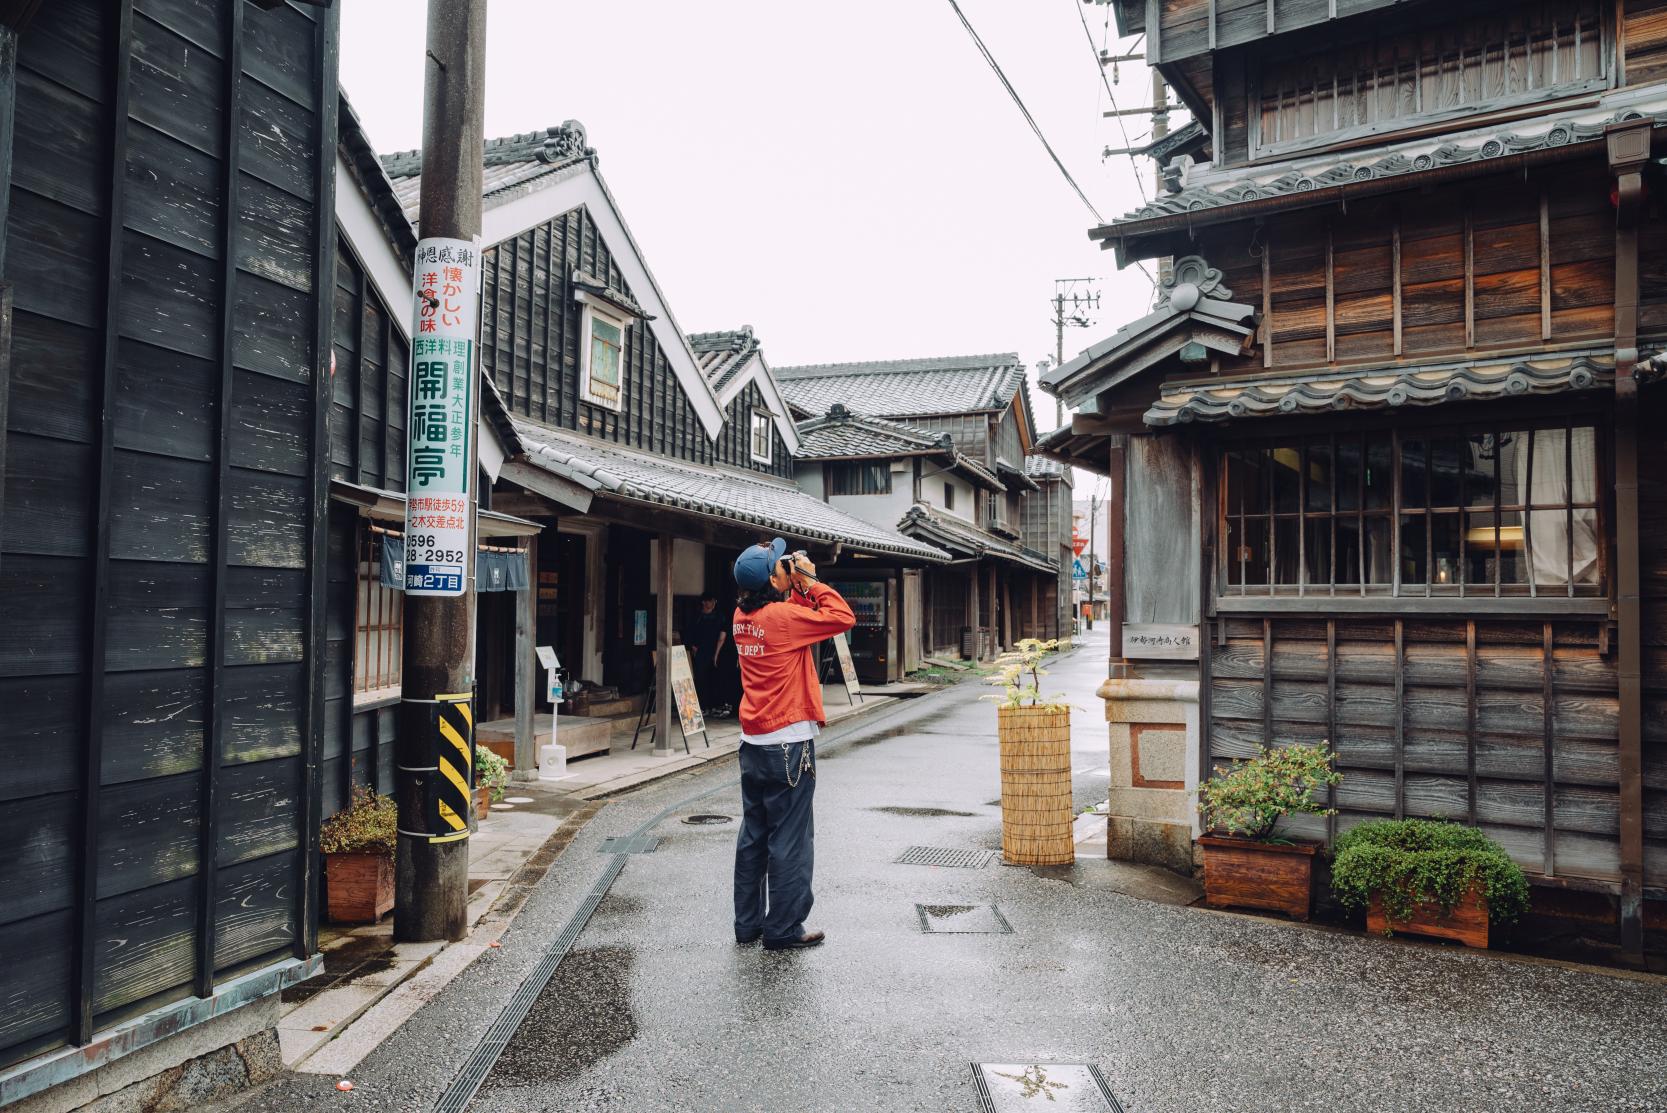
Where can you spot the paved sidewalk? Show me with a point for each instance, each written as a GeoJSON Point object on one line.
{"type": "Point", "coordinates": [1183, 1009]}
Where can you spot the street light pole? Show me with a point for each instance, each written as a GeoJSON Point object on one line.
{"type": "Point", "coordinates": [436, 730]}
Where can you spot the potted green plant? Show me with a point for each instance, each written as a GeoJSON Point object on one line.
{"type": "Point", "coordinates": [358, 847]}
{"type": "Point", "coordinates": [1247, 863]}
{"type": "Point", "coordinates": [1430, 878]}
{"type": "Point", "coordinates": [1035, 736]}
{"type": "Point", "coordinates": [491, 775]}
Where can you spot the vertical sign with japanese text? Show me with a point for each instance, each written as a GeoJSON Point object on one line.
{"type": "Point", "coordinates": [438, 468]}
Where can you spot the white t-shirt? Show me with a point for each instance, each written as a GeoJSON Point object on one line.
{"type": "Point", "coordinates": [792, 732]}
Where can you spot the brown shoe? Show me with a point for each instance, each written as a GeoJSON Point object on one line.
{"type": "Point", "coordinates": [808, 939]}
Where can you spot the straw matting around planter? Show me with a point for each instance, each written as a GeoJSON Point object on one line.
{"type": "Point", "coordinates": [1036, 786]}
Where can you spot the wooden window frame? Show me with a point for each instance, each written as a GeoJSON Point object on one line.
{"type": "Point", "coordinates": [1499, 111]}
{"type": "Point", "coordinates": [760, 421]}
{"type": "Point", "coordinates": [949, 496]}
{"type": "Point", "coordinates": [1530, 597]}
{"type": "Point", "coordinates": [378, 624]}
{"type": "Point", "coordinates": [593, 313]}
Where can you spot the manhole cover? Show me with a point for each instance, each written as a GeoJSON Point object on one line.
{"type": "Point", "coordinates": [707, 820]}
{"type": "Point", "coordinates": [1064, 1087]}
{"type": "Point", "coordinates": [945, 856]}
{"type": "Point", "coordinates": [644, 844]}
{"type": "Point", "coordinates": [963, 919]}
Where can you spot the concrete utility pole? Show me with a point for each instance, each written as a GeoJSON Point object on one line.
{"type": "Point", "coordinates": [1095, 501]}
{"type": "Point", "coordinates": [1066, 294]}
{"type": "Point", "coordinates": [1160, 129]}
{"type": "Point", "coordinates": [431, 872]}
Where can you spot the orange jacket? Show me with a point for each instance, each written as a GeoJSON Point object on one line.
{"type": "Point", "coordinates": [778, 666]}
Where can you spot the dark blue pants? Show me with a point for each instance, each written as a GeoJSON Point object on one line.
{"type": "Point", "coordinates": [775, 851]}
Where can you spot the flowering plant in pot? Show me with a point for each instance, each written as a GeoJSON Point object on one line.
{"type": "Point", "coordinates": [358, 847]}
{"type": "Point", "coordinates": [1246, 862]}
{"type": "Point", "coordinates": [1035, 735]}
{"type": "Point", "coordinates": [491, 775]}
{"type": "Point", "coordinates": [1428, 878]}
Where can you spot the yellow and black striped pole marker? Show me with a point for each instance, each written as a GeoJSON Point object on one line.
{"type": "Point", "coordinates": [451, 799]}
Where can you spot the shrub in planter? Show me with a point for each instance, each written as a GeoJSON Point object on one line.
{"type": "Point", "coordinates": [491, 775]}
{"type": "Point", "coordinates": [1428, 878]}
{"type": "Point", "coordinates": [1035, 735]}
{"type": "Point", "coordinates": [358, 846]}
{"type": "Point", "coordinates": [1246, 863]}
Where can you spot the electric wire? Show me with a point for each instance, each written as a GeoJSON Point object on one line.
{"type": "Point", "coordinates": [1019, 101]}
{"type": "Point", "coordinates": [1111, 96]}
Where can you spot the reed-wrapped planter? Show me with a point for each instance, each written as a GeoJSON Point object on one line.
{"type": "Point", "coordinates": [1036, 818]}
{"type": "Point", "coordinates": [1467, 923]}
{"type": "Point", "coordinates": [359, 887]}
{"type": "Point", "coordinates": [1251, 873]}
{"type": "Point", "coordinates": [483, 801]}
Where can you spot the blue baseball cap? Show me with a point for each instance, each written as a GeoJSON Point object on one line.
{"type": "Point", "coordinates": [756, 563]}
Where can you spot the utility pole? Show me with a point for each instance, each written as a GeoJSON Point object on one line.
{"type": "Point", "coordinates": [1072, 297]}
{"type": "Point", "coordinates": [1160, 129]}
{"type": "Point", "coordinates": [435, 750]}
{"type": "Point", "coordinates": [1095, 501]}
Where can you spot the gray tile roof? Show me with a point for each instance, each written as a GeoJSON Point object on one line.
{"type": "Point", "coordinates": [960, 536]}
{"type": "Point", "coordinates": [841, 434]}
{"type": "Point", "coordinates": [1043, 467]}
{"type": "Point", "coordinates": [771, 506]}
{"type": "Point", "coordinates": [512, 164]}
{"type": "Point", "coordinates": [906, 387]}
{"type": "Point", "coordinates": [1017, 474]}
{"type": "Point", "coordinates": [1378, 389]}
{"type": "Point", "coordinates": [380, 193]}
{"type": "Point", "coordinates": [722, 355]}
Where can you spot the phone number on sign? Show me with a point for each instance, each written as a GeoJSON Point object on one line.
{"type": "Point", "coordinates": [423, 549]}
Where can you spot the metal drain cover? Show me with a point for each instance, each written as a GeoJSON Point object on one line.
{"type": "Point", "coordinates": [1065, 1087]}
{"type": "Point", "coordinates": [963, 919]}
{"type": "Point", "coordinates": [642, 844]}
{"type": "Point", "coordinates": [945, 856]}
{"type": "Point", "coordinates": [707, 820]}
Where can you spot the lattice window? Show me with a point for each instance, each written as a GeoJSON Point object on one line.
{"type": "Point", "coordinates": [859, 477]}
{"type": "Point", "coordinates": [1501, 510]}
{"type": "Point", "coordinates": [378, 625]}
{"type": "Point", "coordinates": [1523, 52]}
{"type": "Point", "coordinates": [761, 436]}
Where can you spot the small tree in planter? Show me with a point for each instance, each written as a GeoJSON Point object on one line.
{"type": "Point", "coordinates": [1428, 878]}
{"type": "Point", "coordinates": [358, 847]}
{"type": "Point", "coordinates": [1035, 735]}
{"type": "Point", "coordinates": [1246, 863]}
{"type": "Point", "coordinates": [491, 775]}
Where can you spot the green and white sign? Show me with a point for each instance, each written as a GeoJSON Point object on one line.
{"type": "Point", "coordinates": [438, 468]}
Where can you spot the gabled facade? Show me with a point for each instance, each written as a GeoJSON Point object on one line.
{"type": "Point", "coordinates": [938, 447]}
{"type": "Point", "coordinates": [1378, 447]}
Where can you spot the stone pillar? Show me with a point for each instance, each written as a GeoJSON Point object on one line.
{"type": "Point", "coordinates": [1154, 770]}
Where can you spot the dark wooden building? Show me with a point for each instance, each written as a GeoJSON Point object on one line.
{"type": "Point", "coordinates": [1394, 407]}
{"type": "Point", "coordinates": [167, 173]}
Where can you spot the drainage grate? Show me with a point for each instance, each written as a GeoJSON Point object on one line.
{"type": "Point", "coordinates": [707, 820]}
{"type": "Point", "coordinates": [632, 844]}
{"type": "Point", "coordinates": [963, 919]}
{"type": "Point", "coordinates": [1067, 1087]}
{"type": "Point", "coordinates": [946, 856]}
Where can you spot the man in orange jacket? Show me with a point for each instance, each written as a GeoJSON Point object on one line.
{"type": "Point", "coordinates": [782, 611]}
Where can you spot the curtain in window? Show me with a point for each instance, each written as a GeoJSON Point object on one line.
{"type": "Point", "coordinates": [1544, 473]}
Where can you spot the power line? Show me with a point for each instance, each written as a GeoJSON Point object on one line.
{"type": "Point", "coordinates": [1029, 119]}
{"type": "Point", "coordinates": [1111, 96]}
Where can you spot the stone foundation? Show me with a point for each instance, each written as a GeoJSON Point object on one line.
{"type": "Point", "coordinates": [1153, 730]}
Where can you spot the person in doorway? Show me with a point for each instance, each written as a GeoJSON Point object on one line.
{"type": "Point", "coordinates": [706, 638]}
{"type": "Point", "coordinates": [781, 613]}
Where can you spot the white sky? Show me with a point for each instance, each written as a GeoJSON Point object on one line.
{"type": "Point", "coordinates": [851, 180]}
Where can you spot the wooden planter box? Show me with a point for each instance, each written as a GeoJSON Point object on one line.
{"type": "Point", "coordinates": [1036, 819]}
{"type": "Point", "coordinates": [1467, 923]}
{"type": "Point", "coordinates": [359, 888]}
{"type": "Point", "coordinates": [483, 802]}
{"type": "Point", "coordinates": [1245, 873]}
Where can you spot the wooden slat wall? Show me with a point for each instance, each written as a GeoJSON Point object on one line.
{"type": "Point", "coordinates": [530, 346]}
{"type": "Point", "coordinates": [367, 414]}
{"type": "Point", "coordinates": [1644, 40]}
{"type": "Point", "coordinates": [162, 242]}
{"type": "Point", "coordinates": [734, 445]}
{"type": "Point", "coordinates": [1425, 727]}
{"type": "Point", "coordinates": [1496, 265]}
{"type": "Point", "coordinates": [1652, 543]}
{"type": "Point", "coordinates": [1183, 28]}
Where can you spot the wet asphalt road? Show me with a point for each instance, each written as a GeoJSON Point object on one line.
{"type": "Point", "coordinates": [1184, 1010]}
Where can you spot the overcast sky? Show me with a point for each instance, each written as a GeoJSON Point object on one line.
{"type": "Point", "coordinates": [851, 179]}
